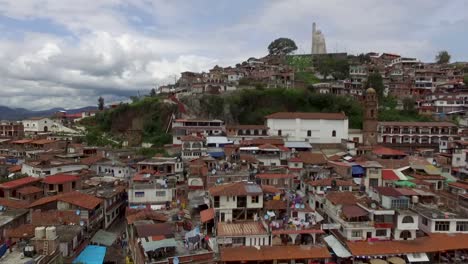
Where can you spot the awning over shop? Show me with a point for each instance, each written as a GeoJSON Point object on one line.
{"type": "Point", "coordinates": [104, 238]}
{"type": "Point", "coordinates": [417, 257]}
{"type": "Point", "coordinates": [337, 247]}
{"type": "Point", "coordinates": [153, 245]}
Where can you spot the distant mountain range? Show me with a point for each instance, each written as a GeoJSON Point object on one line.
{"type": "Point", "coordinates": [7, 113]}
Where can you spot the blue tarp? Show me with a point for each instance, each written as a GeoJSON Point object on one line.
{"type": "Point", "coordinates": [357, 170]}
{"type": "Point", "coordinates": [216, 154]}
{"type": "Point", "coordinates": [91, 255]}
{"type": "Point", "coordinates": [3, 249]}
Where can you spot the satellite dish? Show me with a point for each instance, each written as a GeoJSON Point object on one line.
{"type": "Point", "coordinates": [373, 205]}
{"type": "Point", "coordinates": [81, 223]}
{"type": "Point", "coordinates": [77, 212]}
{"type": "Point", "coordinates": [434, 215]}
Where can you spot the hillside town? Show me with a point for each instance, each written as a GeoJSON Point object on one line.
{"type": "Point", "coordinates": [302, 187]}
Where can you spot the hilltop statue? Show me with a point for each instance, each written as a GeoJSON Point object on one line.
{"type": "Point", "coordinates": [318, 41]}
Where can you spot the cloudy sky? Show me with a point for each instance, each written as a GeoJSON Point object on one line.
{"type": "Point", "coordinates": [63, 53]}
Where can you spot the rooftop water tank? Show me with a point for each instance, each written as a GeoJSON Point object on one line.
{"type": "Point", "coordinates": [51, 232]}
{"type": "Point", "coordinates": [40, 232]}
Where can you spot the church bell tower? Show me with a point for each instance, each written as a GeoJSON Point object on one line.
{"type": "Point", "coordinates": [370, 122]}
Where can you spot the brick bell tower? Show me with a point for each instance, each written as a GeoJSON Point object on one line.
{"type": "Point", "coordinates": [370, 122]}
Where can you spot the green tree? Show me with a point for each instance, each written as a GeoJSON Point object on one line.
{"type": "Point", "coordinates": [337, 68]}
{"type": "Point", "coordinates": [100, 103]}
{"type": "Point", "coordinates": [443, 57]}
{"type": "Point", "coordinates": [282, 46]}
{"type": "Point", "coordinates": [409, 105]}
{"type": "Point", "coordinates": [153, 92]}
{"type": "Point", "coordinates": [375, 81]}
{"type": "Point", "coordinates": [465, 79]}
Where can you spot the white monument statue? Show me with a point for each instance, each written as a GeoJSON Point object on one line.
{"type": "Point", "coordinates": [318, 41]}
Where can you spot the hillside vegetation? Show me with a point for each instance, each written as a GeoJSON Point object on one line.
{"type": "Point", "coordinates": [151, 115]}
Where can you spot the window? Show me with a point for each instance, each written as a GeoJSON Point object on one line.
{"type": "Point", "coordinates": [356, 233]}
{"type": "Point", "coordinates": [309, 133]}
{"type": "Point", "coordinates": [279, 132]}
{"type": "Point", "coordinates": [424, 221]}
{"type": "Point", "coordinates": [73, 185]}
{"type": "Point", "coordinates": [407, 220]}
{"type": "Point", "coordinates": [334, 133]}
{"type": "Point", "coordinates": [442, 226]}
{"type": "Point", "coordinates": [238, 240]}
{"type": "Point", "coordinates": [216, 201]}
{"type": "Point", "coordinates": [139, 194]}
{"type": "Point", "coordinates": [255, 199]}
{"type": "Point", "coordinates": [462, 226]}
{"type": "Point", "coordinates": [374, 182]}
{"type": "Point", "coordinates": [381, 232]}
{"type": "Point", "coordinates": [160, 193]}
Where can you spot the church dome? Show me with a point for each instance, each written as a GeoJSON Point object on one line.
{"type": "Point", "coordinates": [370, 90]}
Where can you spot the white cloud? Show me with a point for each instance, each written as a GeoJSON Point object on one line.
{"type": "Point", "coordinates": [116, 47]}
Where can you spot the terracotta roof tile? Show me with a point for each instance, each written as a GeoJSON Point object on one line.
{"type": "Point", "coordinates": [54, 217]}
{"type": "Point", "coordinates": [22, 231]}
{"type": "Point", "coordinates": [270, 189]}
{"type": "Point", "coordinates": [389, 175]}
{"type": "Point", "coordinates": [275, 205]}
{"type": "Point", "coordinates": [160, 229]}
{"type": "Point", "coordinates": [236, 188]}
{"type": "Point", "coordinates": [418, 124]}
{"type": "Point", "coordinates": [302, 115]}
{"type": "Point", "coordinates": [76, 198]}
{"type": "Point", "coordinates": [387, 151]}
{"type": "Point", "coordinates": [275, 176]}
{"type": "Point", "coordinates": [29, 190]}
{"type": "Point", "coordinates": [16, 204]}
{"type": "Point", "coordinates": [328, 182]}
{"type": "Point", "coordinates": [269, 253]}
{"type": "Point", "coordinates": [341, 198]}
{"type": "Point", "coordinates": [19, 182]}
{"type": "Point", "coordinates": [240, 229]}
{"type": "Point", "coordinates": [207, 215]}
{"type": "Point", "coordinates": [433, 243]}
{"type": "Point", "coordinates": [460, 185]}
{"type": "Point", "coordinates": [91, 160]}
{"type": "Point", "coordinates": [60, 178]}
{"type": "Point", "coordinates": [136, 215]}
{"type": "Point", "coordinates": [388, 191]}
{"type": "Point", "coordinates": [16, 168]}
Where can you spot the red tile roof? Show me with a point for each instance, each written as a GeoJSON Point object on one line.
{"type": "Point", "coordinates": [460, 185]}
{"type": "Point", "coordinates": [295, 159]}
{"type": "Point", "coordinates": [418, 124]}
{"type": "Point", "coordinates": [135, 215]}
{"type": "Point", "coordinates": [429, 244]}
{"type": "Point", "coordinates": [240, 229]}
{"type": "Point", "coordinates": [29, 190]}
{"type": "Point", "coordinates": [388, 152]}
{"type": "Point", "coordinates": [270, 189]}
{"type": "Point", "coordinates": [91, 160]}
{"type": "Point", "coordinates": [76, 198]}
{"type": "Point", "coordinates": [19, 182]}
{"type": "Point", "coordinates": [54, 217]}
{"type": "Point", "coordinates": [16, 204]}
{"type": "Point", "coordinates": [341, 198]}
{"type": "Point", "coordinates": [328, 182]}
{"type": "Point", "coordinates": [389, 175]}
{"type": "Point", "coordinates": [274, 176]}
{"type": "Point", "coordinates": [22, 231]}
{"type": "Point", "coordinates": [268, 147]}
{"type": "Point", "coordinates": [60, 178]}
{"type": "Point", "coordinates": [312, 158]}
{"type": "Point", "coordinates": [275, 205]}
{"type": "Point", "coordinates": [42, 141]}
{"type": "Point", "coordinates": [388, 191]}
{"type": "Point", "coordinates": [302, 115]}
{"type": "Point", "coordinates": [269, 253]}
{"type": "Point", "coordinates": [16, 168]}
{"type": "Point", "coordinates": [236, 188]}
{"type": "Point", "coordinates": [207, 215]}
{"type": "Point", "coordinates": [191, 138]}
{"type": "Point", "coordinates": [21, 141]}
